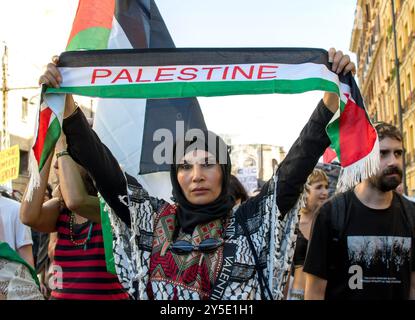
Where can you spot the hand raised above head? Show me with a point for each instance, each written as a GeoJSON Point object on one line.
{"type": "Point", "coordinates": [341, 63]}
{"type": "Point", "coordinates": [51, 77]}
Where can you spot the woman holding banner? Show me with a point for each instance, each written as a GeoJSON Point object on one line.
{"type": "Point", "coordinates": [79, 271]}
{"type": "Point", "coordinates": [198, 248]}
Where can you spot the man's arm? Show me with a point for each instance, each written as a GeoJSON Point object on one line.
{"type": "Point", "coordinates": [26, 252]}
{"type": "Point", "coordinates": [315, 287]}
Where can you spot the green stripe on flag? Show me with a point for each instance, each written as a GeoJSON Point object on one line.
{"type": "Point", "coordinates": [94, 38]}
{"type": "Point", "coordinates": [195, 89]}
{"type": "Point", "coordinates": [6, 252]}
{"type": "Point", "coordinates": [107, 236]}
{"type": "Point", "coordinates": [52, 136]}
{"type": "Point", "coordinates": [334, 135]}
{"type": "Point", "coordinates": [333, 131]}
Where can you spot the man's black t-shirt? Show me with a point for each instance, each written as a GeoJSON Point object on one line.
{"type": "Point", "coordinates": [374, 258]}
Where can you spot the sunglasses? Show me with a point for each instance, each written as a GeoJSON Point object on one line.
{"type": "Point", "coordinates": [206, 246]}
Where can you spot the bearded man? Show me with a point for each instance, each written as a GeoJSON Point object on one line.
{"type": "Point", "coordinates": [362, 242]}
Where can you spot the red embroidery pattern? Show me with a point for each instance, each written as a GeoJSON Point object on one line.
{"type": "Point", "coordinates": [196, 271]}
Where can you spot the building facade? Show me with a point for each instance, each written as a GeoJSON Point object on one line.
{"type": "Point", "coordinates": [254, 164]}
{"type": "Point", "coordinates": [373, 42]}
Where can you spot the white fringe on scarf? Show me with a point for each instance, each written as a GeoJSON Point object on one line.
{"type": "Point", "coordinates": [34, 181]}
{"type": "Point", "coordinates": [360, 170]}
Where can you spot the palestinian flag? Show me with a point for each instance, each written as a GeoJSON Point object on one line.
{"type": "Point", "coordinates": [125, 126]}
{"type": "Point", "coordinates": [182, 73]}
{"type": "Point", "coordinates": [48, 132]}
{"type": "Point", "coordinates": [125, 25]}
{"type": "Point", "coordinates": [329, 155]}
{"type": "Point", "coordinates": [111, 24]}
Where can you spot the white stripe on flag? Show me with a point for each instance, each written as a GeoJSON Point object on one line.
{"type": "Point", "coordinates": [107, 75]}
{"type": "Point", "coordinates": [120, 124]}
{"type": "Point", "coordinates": [117, 38]}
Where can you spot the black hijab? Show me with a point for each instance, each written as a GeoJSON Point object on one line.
{"type": "Point", "coordinates": [190, 215]}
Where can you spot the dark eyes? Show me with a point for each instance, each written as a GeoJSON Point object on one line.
{"type": "Point", "coordinates": [322, 186]}
{"type": "Point", "coordinates": [397, 153]}
{"type": "Point", "coordinates": [188, 166]}
{"type": "Point", "coordinates": [208, 165]}
{"type": "Point", "coordinates": [185, 166]}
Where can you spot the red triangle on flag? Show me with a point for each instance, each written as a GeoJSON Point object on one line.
{"type": "Point", "coordinates": [329, 155]}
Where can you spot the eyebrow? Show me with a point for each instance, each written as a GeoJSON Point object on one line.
{"type": "Point", "coordinates": [391, 150]}
{"type": "Point", "coordinates": [205, 159]}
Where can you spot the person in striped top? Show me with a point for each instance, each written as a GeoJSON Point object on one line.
{"type": "Point", "coordinates": [79, 258]}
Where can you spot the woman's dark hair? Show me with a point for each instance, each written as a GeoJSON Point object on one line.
{"type": "Point", "coordinates": [190, 215]}
{"type": "Point", "coordinates": [49, 191]}
{"type": "Point", "coordinates": [236, 189]}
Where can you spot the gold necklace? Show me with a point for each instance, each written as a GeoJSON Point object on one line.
{"type": "Point", "coordinates": [71, 233]}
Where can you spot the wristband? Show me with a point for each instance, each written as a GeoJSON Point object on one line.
{"type": "Point", "coordinates": [62, 153]}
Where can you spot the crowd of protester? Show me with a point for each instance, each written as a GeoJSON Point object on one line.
{"type": "Point", "coordinates": [314, 242]}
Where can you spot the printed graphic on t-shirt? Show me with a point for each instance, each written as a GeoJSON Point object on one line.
{"type": "Point", "coordinates": [380, 257]}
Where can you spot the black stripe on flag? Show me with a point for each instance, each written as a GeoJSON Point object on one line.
{"type": "Point", "coordinates": [192, 56]}
{"type": "Point", "coordinates": [144, 27]}
{"type": "Point", "coordinates": [133, 17]}
{"type": "Point", "coordinates": [172, 110]}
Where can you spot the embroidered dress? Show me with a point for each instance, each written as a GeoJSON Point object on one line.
{"type": "Point", "coordinates": [159, 274]}
{"type": "Point", "coordinates": [142, 225]}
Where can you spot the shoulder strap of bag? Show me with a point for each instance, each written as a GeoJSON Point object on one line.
{"type": "Point", "coordinates": [262, 281]}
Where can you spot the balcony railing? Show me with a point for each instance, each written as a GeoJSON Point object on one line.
{"type": "Point", "coordinates": [408, 101]}
{"type": "Point", "coordinates": [403, 53]}
{"type": "Point", "coordinates": [411, 39]}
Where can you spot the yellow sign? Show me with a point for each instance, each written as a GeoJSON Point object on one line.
{"type": "Point", "coordinates": [9, 164]}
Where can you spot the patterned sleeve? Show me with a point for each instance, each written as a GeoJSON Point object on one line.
{"type": "Point", "coordinates": [272, 234]}
{"type": "Point", "coordinates": [272, 216]}
{"type": "Point", "coordinates": [302, 158]}
{"type": "Point", "coordinates": [132, 243]}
